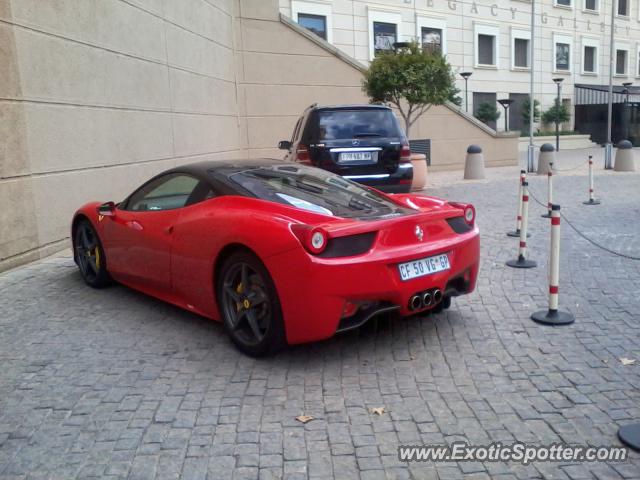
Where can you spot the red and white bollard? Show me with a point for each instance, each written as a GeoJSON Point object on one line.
{"type": "Point", "coordinates": [521, 261]}
{"type": "Point", "coordinates": [549, 191]}
{"type": "Point", "coordinates": [592, 200]}
{"type": "Point", "coordinates": [516, 232]}
{"type": "Point", "coordinates": [553, 316]}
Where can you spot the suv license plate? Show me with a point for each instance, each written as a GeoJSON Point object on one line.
{"type": "Point", "coordinates": [424, 266]}
{"type": "Point", "coordinates": [356, 157]}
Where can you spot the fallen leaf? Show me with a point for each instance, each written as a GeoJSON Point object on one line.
{"type": "Point", "coordinates": [377, 410]}
{"type": "Point", "coordinates": [627, 361]}
{"type": "Point", "coordinates": [304, 418]}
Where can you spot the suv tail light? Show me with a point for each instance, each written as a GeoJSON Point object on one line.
{"type": "Point", "coordinates": [405, 154]}
{"type": "Point", "coordinates": [302, 154]}
{"type": "Point", "coordinates": [314, 239]}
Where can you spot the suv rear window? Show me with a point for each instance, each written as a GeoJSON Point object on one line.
{"type": "Point", "coordinates": [314, 190]}
{"type": "Point", "coordinates": [340, 124]}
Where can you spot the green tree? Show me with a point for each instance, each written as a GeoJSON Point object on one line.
{"type": "Point", "coordinates": [526, 105]}
{"type": "Point", "coordinates": [454, 96]}
{"type": "Point", "coordinates": [410, 79]}
{"type": "Point", "coordinates": [559, 111]}
{"type": "Point", "coordinates": [487, 112]}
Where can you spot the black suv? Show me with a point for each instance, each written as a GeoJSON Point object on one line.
{"type": "Point", "coordinates": [361, 142]}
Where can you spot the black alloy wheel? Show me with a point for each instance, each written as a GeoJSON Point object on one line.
{"type": "Point", "coordinates": [249, 305]}
{"type": "Point", "coordinates": [89, 256]}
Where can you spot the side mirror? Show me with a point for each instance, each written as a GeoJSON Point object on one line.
{"type": "Point", "coordinates": [107, 209]}
{"type": "Point", "coordinates": [284, 145]}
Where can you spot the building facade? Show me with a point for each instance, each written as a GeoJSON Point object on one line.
{"type": "Point", "coordinates": [492, 41]}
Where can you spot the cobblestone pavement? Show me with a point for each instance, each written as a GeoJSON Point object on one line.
{"type": "Point", "coordinates": [114, 384]}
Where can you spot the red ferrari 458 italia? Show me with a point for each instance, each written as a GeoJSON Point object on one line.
{"type": "Point", "coordinates": [280, 252]}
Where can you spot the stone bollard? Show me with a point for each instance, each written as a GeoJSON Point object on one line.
{"type": "Point", "coordinates": [474, 163]}
{"type": "Point", "coordinates": [624, 157]}
{"type": "Point", "coordinates": [547, 156]}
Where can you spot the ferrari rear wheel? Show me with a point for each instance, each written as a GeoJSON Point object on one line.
{"type": "Point", "coordinates": [90, 257]}
{"type": "Point", "coordinates": [249, 305]}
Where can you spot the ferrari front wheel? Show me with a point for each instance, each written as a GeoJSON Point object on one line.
{"type": "Point", "coordinates": [89, 256]}
{"type": "Point", "coordinates": [249, 305]}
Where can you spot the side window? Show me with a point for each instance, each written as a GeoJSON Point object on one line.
{"type": "Point", "coordinates": [202, 192]}
{"type": "Point", "coordinates": [165, 193]}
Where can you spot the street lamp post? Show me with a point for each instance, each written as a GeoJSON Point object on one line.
{"type": "Point", "coordinates": [627, 107]}
{"type": "Point", "coordinates": [505, 102]}
{"type": "Point", "coordinates": [558, 82]}
{"type": "Point", "coordinates": [608, 147]}
{"type": "Point", "coordinates": [466, 76]}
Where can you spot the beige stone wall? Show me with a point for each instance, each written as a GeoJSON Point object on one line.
{"type": "Point", "coordinates": [95, 97]}
{"type": "Point", "coordinates": [452, 132]}
{"type": "Point", "coordinates": [281, 72]}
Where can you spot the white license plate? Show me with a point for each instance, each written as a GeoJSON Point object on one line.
{"type": "Point", "coordinates": [356, 157]}
{"type": "Point", "coordinates": [423, 266]}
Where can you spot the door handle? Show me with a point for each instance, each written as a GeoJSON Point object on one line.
{"type": "Point", "coordinates": [134, 224]}
{"type": "Point", "coordinates": [169, 230]}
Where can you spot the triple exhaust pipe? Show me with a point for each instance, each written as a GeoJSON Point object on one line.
{"type": "Point", "coordinates": [425, 299]}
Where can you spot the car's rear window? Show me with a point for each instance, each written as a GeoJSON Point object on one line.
{"type": "Point", "coordinates": [339, 124]}
{"type": "Point", "coordinates": [314, 190]}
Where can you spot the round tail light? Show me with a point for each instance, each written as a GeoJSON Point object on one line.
{"type": "Point", "coordinates": [317, 240]}
{"type": "Point", "coordinates": [313, 239]}
{"type": "Point", "coordinates": [469, 214]}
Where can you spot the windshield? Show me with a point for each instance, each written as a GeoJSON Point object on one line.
{"type": "Point", "coordinates": [314, 190]}
{"type": "Point", "coordinates": [340, 124]}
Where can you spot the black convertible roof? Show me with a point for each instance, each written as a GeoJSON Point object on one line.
{"type": "Point", "coordinates": [201, 169]}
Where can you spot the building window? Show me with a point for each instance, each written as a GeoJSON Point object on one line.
{"type": "Point", "coordinates": [431, 39]}
{"type": "Point", "coordinates": [563, 57]}
{"type": "Point", "coordinates": [486, 49]}
{"type": "Point", "coordinates": [316, 23]}
{"type": "Point", "coordinates": [623, 8]}
{"type": "Point", "coordinates": [431, 33]}
{"type": "Point", "coordinates": [591, 5]}
{"type": "Point", "coordinates": [589, 61]}
{"type": "Point", "coordinates": [521, 53]}
{"type": "Point", "coordinates": [621, 62]}
{"type": "Point", "coordinates": [314, 16]}
{"type": "Point", "coordinates": [486, 45]}
{"type": "Point", "coordinates": [384, 36]}
{"type": "Point", "coordinates": [385, 29]}
{"type": "Point", "coordinates": [520, 46]}
{"type": "Point", "coordinates": [563, 3]}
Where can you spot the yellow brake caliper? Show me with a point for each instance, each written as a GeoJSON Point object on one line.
{"type": "Point", "coordinates": [97, 257]}
{"type": "Point", "coordinates": [239, 290]}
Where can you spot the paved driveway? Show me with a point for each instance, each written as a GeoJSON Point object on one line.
{"type": "Point", "coordinates": [115, 384]}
